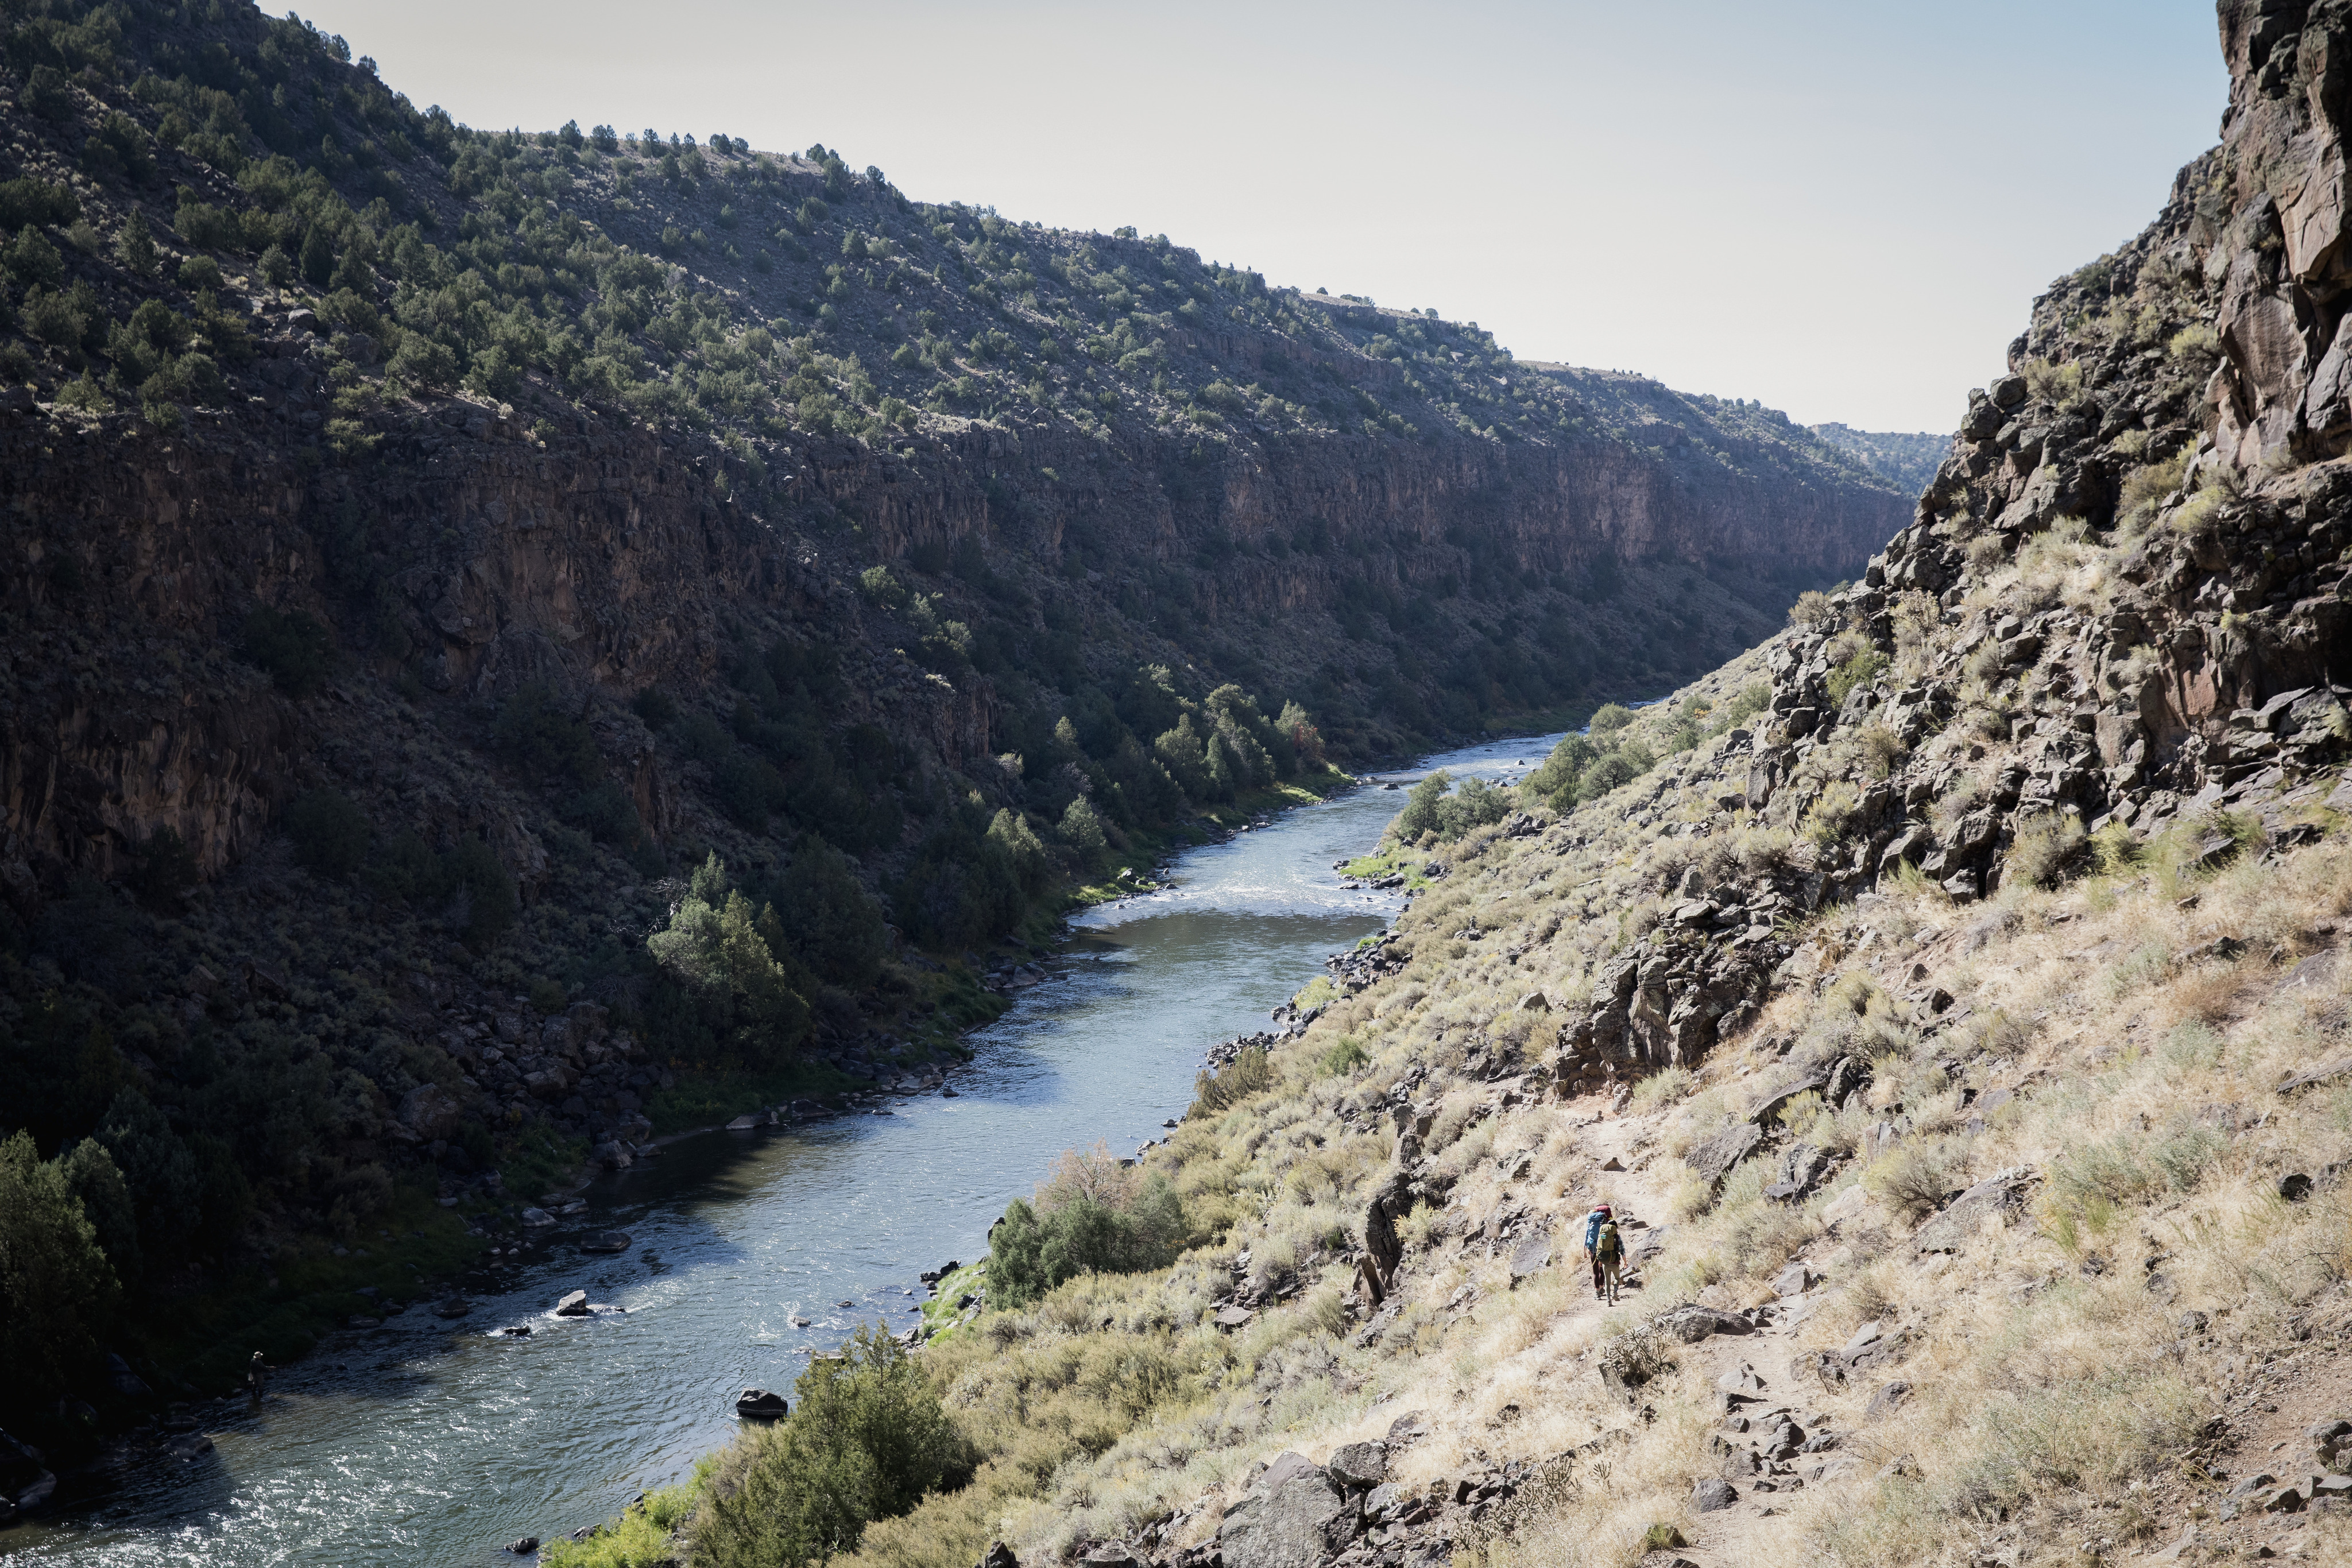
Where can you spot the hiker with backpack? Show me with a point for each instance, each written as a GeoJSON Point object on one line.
{"type": "Point", "coordinates": [1608, 1260]}
{"type": "Point", "coordinates": [1594, 1222]}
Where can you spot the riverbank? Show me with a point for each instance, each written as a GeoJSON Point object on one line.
{"type": "Point", "coordinates": [423, 1244]}
{"type": "Point", "coordinates": [737, 1237]}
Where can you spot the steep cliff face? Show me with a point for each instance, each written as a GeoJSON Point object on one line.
{"type": "Point", "coordinates": [2274, 202]}
{"type": "Point", "coordinates": [2119, 623]}
{"type": "Point", "coordinates": [492, 564]}
{"type": "Point", "coordinates": [604, 559]}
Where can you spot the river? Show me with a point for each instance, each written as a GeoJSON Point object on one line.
{"type": "Point", "coordinates": [423, 1441]}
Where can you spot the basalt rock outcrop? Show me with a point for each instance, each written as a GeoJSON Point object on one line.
{"type": "Point", "coordinates": [2120, 609]}
{"type": "Point", "coordinates": [601, 560]}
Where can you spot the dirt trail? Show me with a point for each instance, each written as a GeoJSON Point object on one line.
{"type": "Point", "coordinates": [1750, 1382]}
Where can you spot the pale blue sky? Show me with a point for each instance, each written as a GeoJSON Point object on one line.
{"type": "Point", "coordinates": [1841, 208]}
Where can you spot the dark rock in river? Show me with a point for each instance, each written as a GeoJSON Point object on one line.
{"type": "Point", "coordinates": [760, 1404]}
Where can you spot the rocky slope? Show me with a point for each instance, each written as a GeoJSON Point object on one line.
{"type": "Point", "coordinates": [1955, 1013]}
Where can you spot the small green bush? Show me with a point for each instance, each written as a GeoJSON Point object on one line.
{"type": "Point", "coordinates": [2187, 1156]}
{"type": "Point", "coordinates": [2045, 847]}
{"type": "Point", "coordinates": [134, 245]}
{"type": "Point", "coordinates": [2197, 341]}
{"type": "Point", "coordinates": [2188, 1045]}
{"type": "Point", "coordinates": [26, 200]}
{"type": "Point", "coordinates": [1749, 701]}
{"type": "Point", "coordinates": [643, 1537]}
{"type": "Point", "coordinates": [2144, 489]}
{"type": "Point", "coordinates": [56, 1287]}
{"type": "Point", "coordinates": [1618, 768]}
{"type": "Point", "coordinates": [1032, 1251]}
{"type": "Point", "coordinates": [1554, 781]}
{"type": "Point", "coordinates": [419, 360]}
{"type": "Point", "coordinates": [1913, 1180]}
{"type": "Point", "coordinates": [208, 227]}
{"type": "Point", "coordinates": [2109, 1171]}
{"type": "Point", "coordinates": [867, 1437]}
{"type": "Point", "coordinates": [739, 965]}
{"type": "Point", "coordinates": [1610, 717]}
{"type": "Point", "coordinates": [839, 929]}
{"type": "Point", "coordinates": [62, 320]}
{"type": "Point", "coordinates": [1859, 669]}
{"type": "Point", "coordinates": [1248, 1073]}
{"type": "Point", "coordinates": [1429, 809]}
{"type": "Point", "coordinates": [2061, 384]}
{"type": "Point", "coordinates": [30, 259]}
{"type": "Point", "coordinates": [1663, 1087]}
{"type": "Point", "coordinates": [1082, 830]}
{"type": "Point", "coordinates": [1346, 1055]}
{"type": "Point", "coordinates": [880, 586]}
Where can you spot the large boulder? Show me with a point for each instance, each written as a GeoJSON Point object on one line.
{"type": "Point", "coordinates": [1533, 1256]}
{"type": "Point", "coordinates": [761, 1405]}
{"type": "Point", "coordinates": [1693, 1323]}
{"type": "Point", "coordinates": [2002, 1195]}
{"type": "Point", "coordinates": [1799, 1171]}
{"type": "Point", "coordinates": [1381, 1242]}
{"type": "Point", "coordinates": [431, 1111]}
{"type": "Point", "coordinates": [1298, 1518]}
{"type": "Point", "coordinates": [1360, 1465]}
{"type": "Point", "coordinates": [22, 1471]}
{"type": "Point", "coordinates": [1768, 1110]}
{"type": "Point", "coordinates": [1712, 1159]}
{"type": "Point", "coordinates": [126, 1384]}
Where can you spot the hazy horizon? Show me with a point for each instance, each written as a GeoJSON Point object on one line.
{"type": "Point", "coordinates": [1842, 210]}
